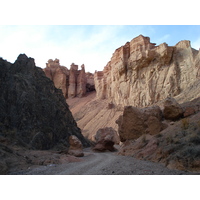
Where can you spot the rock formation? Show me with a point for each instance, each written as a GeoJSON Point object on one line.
{"type": "Point", "coordinates": [171, 136]}
{"type": "Point", "coordinates": [33, 113]}
{"type": "Point", "coordinates": [72, 82]}
{"type": "Point", "coordinates": [58, 74]}
{"type": "Point", "coordinates": [141, 73]}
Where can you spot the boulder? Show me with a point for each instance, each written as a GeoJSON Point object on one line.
{"type": "Point", "coordinates": [76, 153]}
{"type": "Point", "coordinates": [76, 147]}
{"type": "Point", "coordinates": [107, 133]}
{"type": "Point", "coordinates": [75, 143]}
{"type": "Point", "coordinates": [136, 122]}
{"type": "Point", "coordinates": [104, 145]}
{"type": "Point", "coordinates": [172, 110]}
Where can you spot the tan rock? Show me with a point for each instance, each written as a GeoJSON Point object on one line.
{"type": "Point", "coordinates": [76, 147]}
{"type": "Point", "coordinates": [58, 74]}
{"type": "Point", "coordinates": [75, 143]}
{"type": "Point", "coordinates": [81, 82]}
{"type": "Point", "coordinates": [141, 74]}
{"type": "Point", "coordinates": [73, 74]}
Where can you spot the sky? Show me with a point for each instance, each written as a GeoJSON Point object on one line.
{"type": "Point", "coordinates": [91, 45]}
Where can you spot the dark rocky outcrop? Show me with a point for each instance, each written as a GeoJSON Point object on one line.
{"type": "Point", "coordinates": [33, 113]}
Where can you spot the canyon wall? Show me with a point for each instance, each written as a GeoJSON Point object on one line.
{"type": "Point", "coordinates": [141, 73]}
{"type": "Point", "coordinates": [72, 82]}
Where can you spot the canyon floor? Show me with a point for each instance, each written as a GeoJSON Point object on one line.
{"type": "Point", "coordinates": [107, 163]}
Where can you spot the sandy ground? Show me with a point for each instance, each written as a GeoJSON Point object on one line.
{"type": "Point", "coordinates": [107, 163]}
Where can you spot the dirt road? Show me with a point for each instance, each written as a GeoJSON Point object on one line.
{"type": "Point", "coordinates": [108, 163]}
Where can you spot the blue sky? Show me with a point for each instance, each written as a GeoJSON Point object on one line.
{"type": "Point", "coordinates": [92, 45]}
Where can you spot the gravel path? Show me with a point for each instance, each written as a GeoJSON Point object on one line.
{"type": "Point", "coordinates": [108, 163]}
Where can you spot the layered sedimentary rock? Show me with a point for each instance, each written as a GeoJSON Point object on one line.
{"type": "Point", "coordinates": [33, 113]}
{"type": "Point", "coordinates": [72, 82]}
{"type": "Point", "coordinates": [141, 73]}
{"type": "Point", "coordinates": [77, 81]}
{"type": "Point", "coordinates": [58, 74]}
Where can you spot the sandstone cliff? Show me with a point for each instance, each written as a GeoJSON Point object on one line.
{"type": "Point", "coordinates": [72, 82]}
{"type": "Point", "coordinates": [141, 73]}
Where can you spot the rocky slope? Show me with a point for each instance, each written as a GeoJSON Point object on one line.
{"type": "Point", "coordinates": [33, 113]}
{"type": "Point", "coordinates": [92, 114]}
{"type": "Point", "coordinates": [177, 145]}
{"type": "Point", "coordinates": [141, 73]}
{"type": "Point", "coordinates": [72, 82]}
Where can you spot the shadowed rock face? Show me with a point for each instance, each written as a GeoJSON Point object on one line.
{"type": "Point", "coordinates": [33, 113]}
{"type": "Point", "coordinates": [141, 74]}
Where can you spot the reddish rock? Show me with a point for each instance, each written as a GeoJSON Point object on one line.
{"type": "Point", "coordinates": [76, 153]}
{"type": "Point", "coordinates": [135, 122]}
{"type": "Point", "coordinates": [107, 133]}
{"type": "Point", "coordinates": [189, 111]}
{"type": "Point", "coordinates": [104, 145]}
{"type": "Point", "coordinates": [143, 147]}
{"type": "Point", "coordinates": [58, 74]}
{"type": "Point", "coordinates": [73, 82]}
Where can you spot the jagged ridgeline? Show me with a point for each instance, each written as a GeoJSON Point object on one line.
{"type": "Point", "coordinates": [33, 113]}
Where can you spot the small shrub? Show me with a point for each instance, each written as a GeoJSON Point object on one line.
{"type": "Point", "coordinates": [198, 123]}
{"type": "Point", "coordinates": [185, 123]}
{"type": "Point", "coordinates": [158, 135]}
{"type": "Point", "coordinates": [169, 139]}
{"type": "Point", "coordinates": [144, 139]}
{"type": "Point", "coordinates": [191, 152]}
{"type": "Point", "coordinates": [195, 139]}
